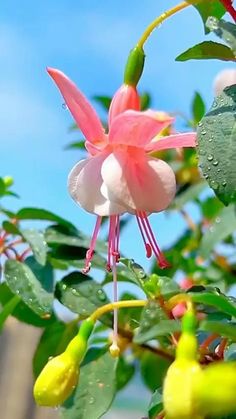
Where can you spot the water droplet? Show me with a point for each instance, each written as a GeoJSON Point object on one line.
{"type": "Point", "coordinates": [101, 295]}
{"type": "Point", "coordinates": [214, 184]}
{"type": "Point", "coordinates": [210, 157]}
{"type": "Point", "coordinates": [64, 287]}
{"type": "Point", "coordinates": [218, 220]}
{"type": "Point", "coordinates": [209, 168]}
{"type": "Point", "coordinates": [64, 106]}
{"type": "Point", "coordinates": [211, 229]}
{"type": "Point", "coordinates": [224, 183]}
{"type": "Point", "coordinates": [91, 400]}
{"type": "Point", "coordinates": [200, 124]}
{"type": "Point", "coordinates": [203, 132]}
{"type": "Point", "coordinates": [74, 291]}
{"type": "Point", "coordinates": [206, 176]}
{"type": "Point", "coordinates": [215, 163]}
{"type": "Point", "coordinates": [218, 170]}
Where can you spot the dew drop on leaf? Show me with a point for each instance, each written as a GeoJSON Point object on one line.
{"type": "Point", "coordinates": [210, 157]}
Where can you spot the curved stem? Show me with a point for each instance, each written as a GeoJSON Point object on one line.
{"type": "Point", "coordinates": [119, 304]}
{"type": "Point", "coordinates": [230, 9]}
{"type": "Point", "coordinates": [156, 22]}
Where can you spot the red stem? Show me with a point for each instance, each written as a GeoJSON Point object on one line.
{"type": "Point", "coordinates": [229, 7]}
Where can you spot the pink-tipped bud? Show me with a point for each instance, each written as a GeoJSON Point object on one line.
{"type": "Point", "coordinates": [224, 79]}
{"type": "Point", "coordinates": [125, 98]}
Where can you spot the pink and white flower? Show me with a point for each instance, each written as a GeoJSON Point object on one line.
{"type": "Point", "coordinates": [120, 176]}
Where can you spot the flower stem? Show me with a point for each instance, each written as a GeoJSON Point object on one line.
{"type": "Point", "coordinates": [230, 9]}
{"type": "Point", "coordinates": [119, 304]}
{"type": "Point", "coordinates": [156, 22]}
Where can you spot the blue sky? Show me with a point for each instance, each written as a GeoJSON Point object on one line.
{"type": "Point", "coordinates": [89, 40]}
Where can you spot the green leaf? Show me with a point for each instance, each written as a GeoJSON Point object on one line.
{"type": "Point", "coordinates": [104, 101]}
{"type": "Point", "coordinates": [75, 145]}
{"type": "Point", "coordinates": [22, 282]}
{"type": "Point", "coordinates": [81, 294]}
{"type": "Point", "coordinates": [11, 228]}
{"type": "Point", "coordinates": [42, 214]}
{"type": "Point", "coordinates": [217, 146]}
{"type": "Point", "coordinates": [8, 309]}
{"type": "Point", "coordinates": [61, 235]}
{"type": "Point", "coordinates": [226, 330]}
{"type": "Point", "coordinates": [198, 107]}
{"type": "Point", "coordinates": [218, 301]}
{"type": "Point", "coordinates": [21, 311]}
{"type": "Point", "coordinates": [211, 207]}
{"type": "Point", "coordinates": [153, 369]}
{"type": "Point", "coordinates": [207, 50]}
{"type": "Point", "coordinates": [96, 389]}
{"type": "Point", "coordinates": [44, 274]}
{"type": "Point", "coordinates": [37, 244]}
{"type": "Point", "coordinates": [136, 272]}
{"type": "Point", "coordinates": [124, 373]}
{"type": "Point", "coordinates": [2, 187]}
{"type": "Point", "coordinates": [146, 100]}
{"type": "Point", "coordinates": [154, 323]}
{"type": "Point", "coordinates": [225, 30]}
{"type": "Point", "coordinates": [210, 8]}
{"type": "Point", "coordinates": [156, 404]}
{"type": "Point", "coordinates": [53, 341]}
{"type": "Point", "coordinates": [223, 226]}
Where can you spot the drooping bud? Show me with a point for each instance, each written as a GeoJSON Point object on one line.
{"type": "Point", "coordinates": [56, 381]}
{"type": "Point", "coordinates": [217, 388]}
{"type": "Point", "coordinates": [134, 66]}
{"type": "Point", "coordinates": [183, 375]}
{"type": "Point", "coordinates": [60, 375]}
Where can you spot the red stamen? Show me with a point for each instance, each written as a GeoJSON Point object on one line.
{"type": "Point", "coordinates": [163, 263]}
{"type": "Point", "coordinates": [90, 252]}
{"type": "Point", "coordinates": [147, 245]}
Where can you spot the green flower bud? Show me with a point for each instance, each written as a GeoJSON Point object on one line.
{"type": "Point", "coordinates": [134, 66]}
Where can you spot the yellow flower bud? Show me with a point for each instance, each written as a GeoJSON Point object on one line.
{"type": "Point", "coordinates": [179, 390]}
{"type": "Point", "coordinates": [57, 380]}
{"type": "Point", "coordinates": [217, 389]}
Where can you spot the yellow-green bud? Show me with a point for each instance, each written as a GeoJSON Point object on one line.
{"type": "Point", "coordinates": [57, 380]}
{"type": "Point", "coordinates": [179, 390]}
{"type": "Point", "coordinates": [8, 181]}
{"type": "Point", "coordinates": [216, 391]}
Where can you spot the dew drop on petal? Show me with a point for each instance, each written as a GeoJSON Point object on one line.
{"type": "Point", "coordinates": [210, 157]}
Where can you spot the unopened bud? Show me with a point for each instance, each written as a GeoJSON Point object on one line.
{"type": "Point", "coordinates": [56, 381]}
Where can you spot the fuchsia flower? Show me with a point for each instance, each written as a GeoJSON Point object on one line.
{"type": "Point", "coordinates": [120, 176]}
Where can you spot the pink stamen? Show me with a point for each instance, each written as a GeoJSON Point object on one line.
{"type": "Point", "coordinates": [151, 238]}
{"type": "Point", "coordinates": [147, 245]}
{"type": "Point", "coordinates": [113, 257]}
{"type": "Point", "coordinates": [90, 252]}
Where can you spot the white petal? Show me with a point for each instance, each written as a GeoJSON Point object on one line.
{"type": "Point", "coordinates": [138, 182]}
{"type": "Point", "coordinates": [85, 184]}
